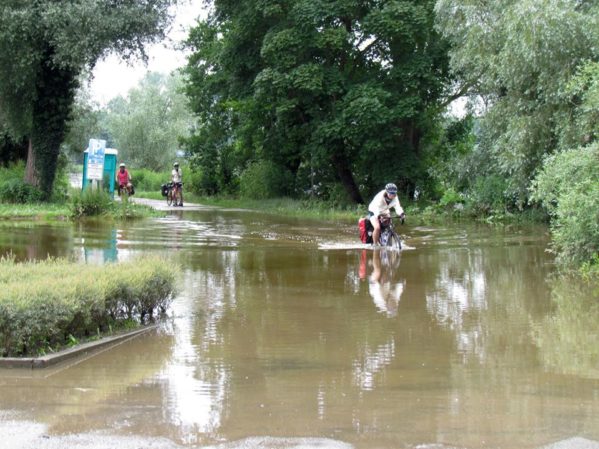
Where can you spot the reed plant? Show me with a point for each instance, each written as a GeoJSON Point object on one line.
{"type": "Point", "coordinates": [44, 305]}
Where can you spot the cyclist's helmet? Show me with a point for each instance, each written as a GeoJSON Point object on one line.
{"type": "Point", "coordinates": [122, 165]}
{"type": "Point", "coordinates": [391, 189]}
{"type": "Point", "coordinates": [176, 164]}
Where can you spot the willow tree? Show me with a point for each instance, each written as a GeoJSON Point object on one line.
{"type": "Point", "coordinates": [519, 56]}
{"type": "Point", "coordinates": [45, 46]}
{"type": "Point", "coordinates": [344, 87]}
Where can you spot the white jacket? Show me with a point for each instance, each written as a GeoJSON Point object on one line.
{"type": "Point", "coordinates": [378, 205]}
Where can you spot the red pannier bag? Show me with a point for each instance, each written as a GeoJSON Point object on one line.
{"type": "Point", "coordinates": [365, 230]}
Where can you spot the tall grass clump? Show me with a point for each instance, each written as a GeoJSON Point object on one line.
{"type": "Point", "coordinates": [46, 304]}
{"type": "Point", "coordinates": [90, 202]}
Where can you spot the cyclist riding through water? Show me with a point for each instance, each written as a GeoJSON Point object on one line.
{"type": "Point", "coordinates": [381, 205]}
{"type": "Point", "coordinates": [177, 180]}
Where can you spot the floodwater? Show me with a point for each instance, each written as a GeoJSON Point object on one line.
{"type": "Point", "coordinates": [286, 333]}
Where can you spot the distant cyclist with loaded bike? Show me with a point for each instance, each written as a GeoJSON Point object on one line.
{"type": "Point", "coordinates": [123, 179]}
{"type": "Point", "coordinates": [177, 180]}
{"type": "Point", "coordinates": [381, 205]}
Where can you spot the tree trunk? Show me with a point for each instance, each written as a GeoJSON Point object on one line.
{"type": "Point", "coordinates": [56, 89]}
{"type": "Point", "coordinates": [30, 172]}
{"type": "Point", "coordinates": [347, 178]}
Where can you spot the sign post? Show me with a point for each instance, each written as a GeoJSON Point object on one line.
{"type": "Point", "coordinates": [95, 159]}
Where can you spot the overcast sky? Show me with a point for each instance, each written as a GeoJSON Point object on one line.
{"type": "Point", "coordinates": [113, 77]}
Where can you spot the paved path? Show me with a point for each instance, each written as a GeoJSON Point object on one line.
{"type": "Point", "coordinates": [161, 205]}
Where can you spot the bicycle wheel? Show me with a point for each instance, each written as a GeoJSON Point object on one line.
{"type": "Point", "coordinates": [169, 198]}
{"type": "Point", "coordinates": [394, 241]}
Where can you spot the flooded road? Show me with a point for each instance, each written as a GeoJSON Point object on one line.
{"type": "Point", "coordinates": [286, 333]}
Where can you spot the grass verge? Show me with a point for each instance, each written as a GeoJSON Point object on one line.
{"type": "Point", "coordinates": [48, 305]}
{"type": "Point", "coordinates": [81, 205]}
{"type": "Point", "coordinates": [38, 211]}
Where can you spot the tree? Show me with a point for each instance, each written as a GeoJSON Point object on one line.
{"type": "Point", "coordinates": [44, 47]}
{"type": "Point", "coordinates": [519, 56]}
{"type": "Point", "coordinates": [85, 122]}
{"type": "Point", "coordinates": [567, 184]}
{"type": "Point", "coordinates": [345, 89]}
{"type": "Point", "coordinates": [146, 125]}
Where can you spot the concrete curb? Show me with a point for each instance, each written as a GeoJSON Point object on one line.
{"type": "Point", "coordinates": [83, 349]}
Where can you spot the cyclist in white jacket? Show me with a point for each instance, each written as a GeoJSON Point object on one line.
{"type": "Point", "coordinates": [381, 204]}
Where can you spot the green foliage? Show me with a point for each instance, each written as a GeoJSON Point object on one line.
{"type": "Point", "coordinates": [34, 211]}
{"type": "Point", "coordinates": [13, 189]}
{"type": "Point", "coordinates": [147, 180]}
{"type": "Point", "coordinates": [90, 202]}
{"type": "Point", "coordinates": [590, 269]}
{"type": "Point", "coordinates": [203, 181]}
{"type": "Point", "coordinates": [96, 202]}
{"type": "Point", "coordinates": [582, 91]}
{"type": "Point", "coordinates": [11, 150]}
{"type": "Point", "coordinates": [519, 56]}
{"type": "Point", "coordinates": [451, 155]}
{"type": "Point", "coordinates": [18, 191]}
{"type": "Point", "coordinates": [487, 195]}
{"type": "Point", "coordinates": [147, 125]}
{"type": "Point", "coordinates": [265, 179]}
{"type": "Point", "coordinates": [44, 48]}
{"type": "Point", "coordinates": [56, 302]}
{"type": "Point", "coordinates": [85, 122]}
{"type": "Point", "coordinates": [567, 187]}
{"type": "Point", "coordinates": [345, 88]}
{"type": "Point", "coordinates": [450, 198]}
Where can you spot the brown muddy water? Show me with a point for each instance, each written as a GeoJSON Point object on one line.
{"type": "Point", "coordinates": [287, 333]}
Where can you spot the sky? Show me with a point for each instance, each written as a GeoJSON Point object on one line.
{"type": "Point", "coordinates": [112, 77]}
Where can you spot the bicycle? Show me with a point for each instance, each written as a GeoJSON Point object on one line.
{"type": "Point", "coordinates": [167, 192]}
{"type": "Point", "coordinates": [125, 191]}
{"type": "Point", "coordinates": [389, 238]}
{"type": "Point", "coordinates": [175, 194]}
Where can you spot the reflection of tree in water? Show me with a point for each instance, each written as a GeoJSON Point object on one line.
{"type": "Point", "coordinates": [371, 362]}
{"type": "Point", "coordinates": [32, 241]}
{"type": "Point", "coordinates": [485, 297]}
{"type": "Point", "coordinates": [568, 339]}
{"type": "Point", "coordinates": [459, 292]}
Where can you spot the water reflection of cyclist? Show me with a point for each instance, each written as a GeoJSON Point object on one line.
{"type": "Point", "coordinates": [381, 205]}
{"type": "Point", "coordinates": [385, 293]}
{"type": "Point", "coordinates": [177, 180]}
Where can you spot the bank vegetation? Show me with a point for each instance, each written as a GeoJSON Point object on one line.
{"type": "Point", "coordinates": [47, 305]}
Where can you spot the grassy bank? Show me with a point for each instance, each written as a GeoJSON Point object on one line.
{"type": "Point", "coordinates": [47, 305]}
{"type": "Point", "coordinates": [277, 206]}
{"type": "Point", "coordinates": [421, 213]}
{"type": "Point", "coordinates": [80, 205]}
{"type": "Point", "coordinates": [37, 211]}
{"type": "Point", "coordinates": [94, 203]}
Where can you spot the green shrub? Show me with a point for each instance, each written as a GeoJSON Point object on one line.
{"type": "Point", "coordinates": [450, 199]}
{"type": "Point", "coordinates": [146, 180]}
{"type": "Point", "coordinates": [12, 171]}
{"type": "Point", "coordinates": [18, 191]}
{"type": "Point", "coordinates": [12, 187]}
{"type": "Point", "coordinates": [263, 180]}
{"type": "Point", "coordinates": [203, 182]}
{"type": "Point", "coordinates": [487, 195]}
{"type": "Point", "coordinates": [47, 304]}
{"type": "Point", "coordinates": [567, 187]}
{"type": "Point", "coordinates": [90, 202]}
